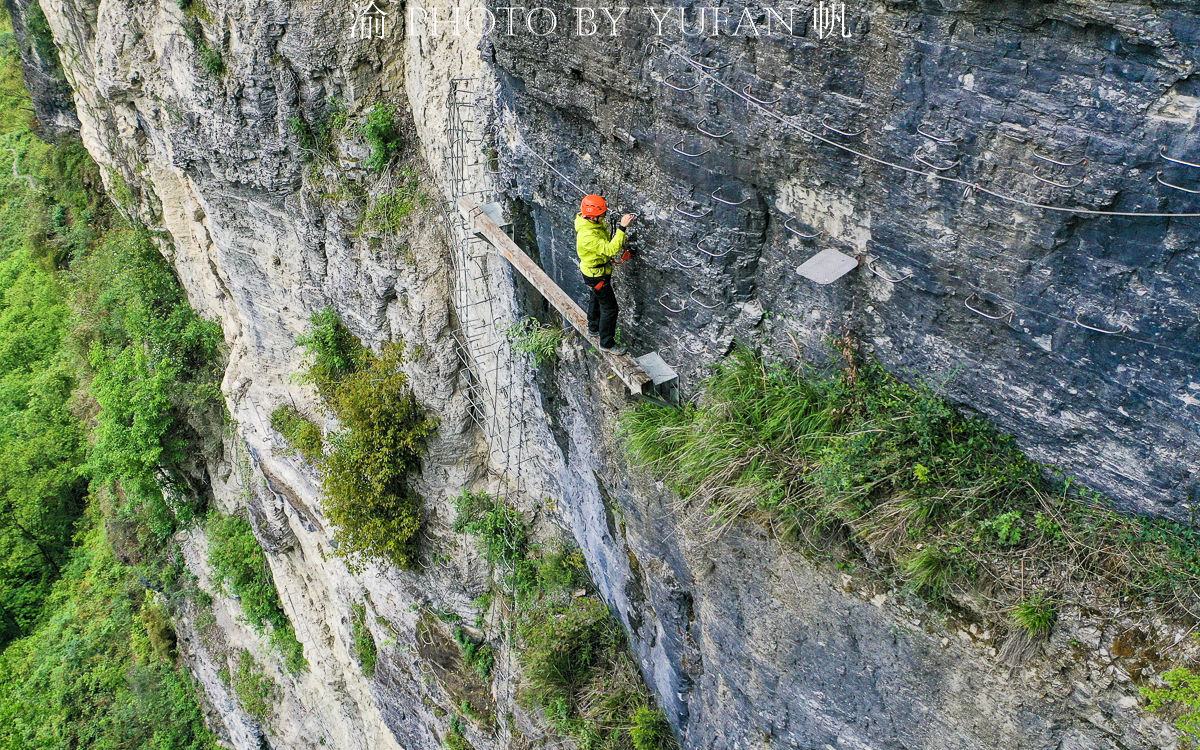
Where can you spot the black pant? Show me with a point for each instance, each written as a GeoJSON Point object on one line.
{"type": "Point", "coordinates": [602, 312]}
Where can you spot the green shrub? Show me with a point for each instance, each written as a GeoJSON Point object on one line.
{"type": "Point", "coordinates": [155, 370]}
{"type": "Point", "coordinates": [193, 13]}
{"type": "Point", "coordinates": [650, 730]}
{"type": "Point", "coordinates": [367, 493]}
{"type": "Point", "coordinates": [574, 661]}
{"type": "Point", "coordinates": [211, 60]}
{"type": "Point", "coordinates": [159, 632]}
{"type": "Point", "coordinates": [1035, 614]}
{"type": "Point", "coordinates": [496, 525]}
{"type": "Point", "coordinates": [255, 689]}
{"type": "Point", "coordinates": [240, 568]}
{"type": "Point", "coordinates": [332, 352]}
{"type": "Point", "coordinates": [564, 569]}
{"type": "Point", "coordinates": [381, 135]}
{"type": "Point", "coordinates": [455, 741]}
{"type": "Point", "coordinates": [541, 340]}
{"type": "Point", "coordinates": [301, 433]}
{"type": "Point", "coordinates": [1005, 528]}
{"type": "Point", "coordinates": [1182, 694]}
{"type": "Point", "coordinates": [366, 481]}
{"type": "Point", "coordinates": [477, 656]}
{"type": "Point", "coordinates": [364, 643]}
{"type": "Point", "coordinates": [561, 650]}
{"type": "Point", "coordinates": [79, 679]}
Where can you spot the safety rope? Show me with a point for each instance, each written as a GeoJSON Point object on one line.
{"type": "Point", "coordinates": [991, 294]}
{"type": "Point", "coordinates": [1101, 372]}
{"type": "Point", "coordinates": [539, 157]}
{"type": "Point", "coordinates": [967, 184]}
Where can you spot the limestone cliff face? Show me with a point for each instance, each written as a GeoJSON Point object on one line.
{"type": "Point", "coordinates": [746, 644]}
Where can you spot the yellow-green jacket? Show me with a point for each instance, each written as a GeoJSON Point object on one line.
{"type": "Point", "coordinates": [596, 250]}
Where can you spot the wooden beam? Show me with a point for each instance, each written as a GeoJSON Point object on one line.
{"type": "Point", "coordinates": [624, 366]}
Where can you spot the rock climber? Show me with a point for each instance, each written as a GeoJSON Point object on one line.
{"type": "Point", "coordinates": [597, 251]}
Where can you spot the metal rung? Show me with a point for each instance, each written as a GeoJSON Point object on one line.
{"type": "Point", "coordinates": [476, 302]}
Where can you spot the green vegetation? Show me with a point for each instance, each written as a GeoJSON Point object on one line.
{"type": "Point", "coordinates": [944, 501]}
{"type": "Point", "coordinates": [106, 374]}
{"type": "Point", "coordinates": [255, 690]}
{"type": "Point", "coordinates": [364, 643]}
{"type": "Point", "coordinates": [47, 220]}
{"type": "Point", "coordinates": [577, 669]}
{"type": "Point", "coordinates": [381, 135]}
{"type": "Point", "coordinates": [574, 660]}
{"type": "Point", "coordinates": [333, 353]}
{"type": "Point", "coordinates": [91, 674]}
{"type": "Point", "coordinates": [153, 363]}
{"type": "Point", "coordinates": [301, 433]}
{"type": "Point", "coordinates": [392, 207]}
{"type": "Point", "coordinates": [40, 35]}
{"type": "Point", "coordinates": [541, 340]}
{"type": "Point", "coordinates": [477, 656]}
{"type": "Point", "coordinates": [650, 730]}
{"type": "Point", "coordinates": [195, 9]}
{"type": "Point", "coordinates": [42, 444]}
{"type": "Point", "coordinates": [195, 14]}
{"type": "Point", "coordinates": [367, 494]}
{"type": "Point", "coordinates": [368, 497]}
{"type": "Point", "coordinates": [1035, 614]}
{"type": "Point", "coordinates": [454, 739]}
{"type": "Point", "coordinates": [317, 139]}
{"type": "Point", "coordinates": [497, 527]}
{"type": "Point", "coordinates": [1181, 696]}
{"type": "Point", "coordinates": [240, 568]}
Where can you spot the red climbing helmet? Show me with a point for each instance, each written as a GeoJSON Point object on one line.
{"type": "Point", "coordinates": [592, 206]}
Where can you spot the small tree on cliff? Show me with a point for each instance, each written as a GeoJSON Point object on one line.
{"type": "Point", "coordinates": [367, 493]}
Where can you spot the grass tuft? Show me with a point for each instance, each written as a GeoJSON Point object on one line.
{"type": "Point", "coordinates": [364, 643]}
{"type": "Point", "coordinates": [333, 353]}
{"type": "Point", "coordinates": [1036, 615]}
{"type": "Point", "coordinates": [650, 730]}
{"type": "Point", "coordinates": [317, 140]}
{"type": "Point", "coordinates": [540, 340]}
{"type": "Point", "coordinates": [395, 204]}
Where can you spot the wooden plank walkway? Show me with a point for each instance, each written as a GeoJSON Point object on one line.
{"type": "Point", "coordinates": [628, 370]}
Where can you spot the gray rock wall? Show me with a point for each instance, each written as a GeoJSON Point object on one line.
{"type": "Point", "coordinates": [1109, 82]}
